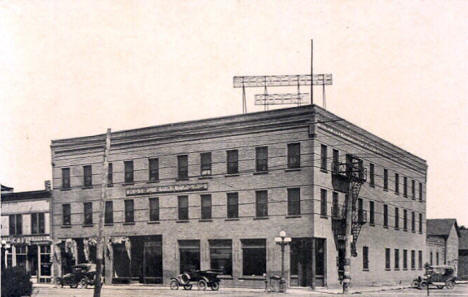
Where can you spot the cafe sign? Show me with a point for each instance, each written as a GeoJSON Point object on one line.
{"type": "Point", "coordinates": [167, 189]}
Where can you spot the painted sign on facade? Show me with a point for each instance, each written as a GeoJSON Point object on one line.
{"type": "Point", "coordinates": [167, 189]}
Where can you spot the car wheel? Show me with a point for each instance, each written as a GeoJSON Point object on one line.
{"type": "Point", "coordinates": [187, 287]}
{"type": "Point", "coordinates": [83, 283]}
{"type": "Point", "coordinates": [450, 284]}
{"type": "Point", "coordinates": [214, 286]}
{"type": "Point", "coordinates": [415, 284]}
{"type": "Point", "coordinates": [440, 286]}
{"type": "Point", "coordinates": [74, 285]}
{"type": "Point", "coordinates": [174, 285]}
{"type": "Point", "coordinates": [202, 285]}
{"type": "Point", "coordinates": [423, 285]}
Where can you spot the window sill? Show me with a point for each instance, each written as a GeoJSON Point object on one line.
{"type": "Point", "coordinates": [385, 190]}
{"type": "Point", "coordinates": [232, 219]}
{"type": "Point", "coordinates": [66, 226]}
{"type": "Point", "coordinates": [205, 177]}
{"type": "Point", "coordinates": [88, 225]}
{"type": "Point", "coordinates": [396, 269]}
{"type": "Point", "coordinates": [406, 230]}
{"type": "Point", "coordinates": [182, 179]}
{"type": "Point", "coordinates": [260, 172]}
{"type": "Point", "coordinates": [205, 220]}
{"type": "Point", "coordinates": [398, 194]}
{"type": "Point", "coordinates": [371, 185]}
{"type": "Point", "coordinates": [413, 231]}
{"type": "Point", "coordinates": [406, 196]}
{"type": "Point", "coordinates": [405, 269]}
{"type": "Point", "coordinates": [182, 221]}
{"type": "Point", "coordinates": [323, 170]}
{"type": "Point", "coordinates": [128, 184]}
{"type": "Point", "coordinates": [129, 223]}
{"type": "Point", "coordinates": [252, 277]}
{"type": "Point", "coordinates": [292, 169]}
{"type": "Point", "coordinates": [397, 228]}
{"type": "Point", "coordinates": [154, 222]}
{"type": "Point", "coordinates": [108, 224]}
{"type": "Point", "coordinates": [293, 216]}
{"type": "Point", "coordinates": [260, 218]}
{"type": "Point", "coordinates": [110, 185]}
{"type": "Point", "coordinates": [324, 217]}
{"type": "Point", "coordinates": [231, 174]}
{"type": "Point", "coordinates": [65, 189]}
{"type": "Point", "coordinates": [372, 224]}
{"type": "Point", "coordinates": [420, 233]}
{"type": "Point", "coordinates": [86, 187]}
{"type": "Point", "coordinates": [388, 269]}
{"type": "Point", "coordinates": [367, 270]}
{"type": "Point", "coordinates": [153, 181]}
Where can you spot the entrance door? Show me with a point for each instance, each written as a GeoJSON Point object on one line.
{"type": "Point", "coordinates": [152, 261]}
{"type": "Point", "coordinates": [320, 262]}
{"type": "Point", "coordinates": [32, 259]}
{"type": "Point", "coordinates": [301, 262]}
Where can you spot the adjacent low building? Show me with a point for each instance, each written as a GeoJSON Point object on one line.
{"type": "Point", "coordinates": [463, 254]}
{"type": "Point", "coordinates": [442, 242]}
{"type": "Point", "coordinates": [25, 231]}
{"type": "Point", "coordinates": [214, 193]}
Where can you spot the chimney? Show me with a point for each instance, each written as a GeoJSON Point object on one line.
{"type": "Point", "coordinates": [47, 185]}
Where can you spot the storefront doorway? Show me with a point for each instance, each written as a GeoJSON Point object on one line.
{"type": "Point", "coordinates": [302, 250]}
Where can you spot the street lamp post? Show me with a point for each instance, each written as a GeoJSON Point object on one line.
{"type": "Point", "coordinates": [282, 241]}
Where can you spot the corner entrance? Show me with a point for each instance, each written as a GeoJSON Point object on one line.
{"type": "Point", "coordinates": [301, 261]}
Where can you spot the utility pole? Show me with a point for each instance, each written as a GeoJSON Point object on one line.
{"type": "Point", "coordinates": [100, 241]}
{"type": "Point", "coordinates": [348, 239]}
{"type": "Point", "coordinates": [312, 72]}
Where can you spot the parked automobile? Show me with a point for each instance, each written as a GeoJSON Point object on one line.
{"type": "Point", "coordinates": [203, 279]}
{"type": "Point", "coordinates": [439, 276]}
{"type": "Point", "coordinates": [81, 276]}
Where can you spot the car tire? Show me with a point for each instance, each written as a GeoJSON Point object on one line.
{"type": "Point", "coordinates": [174, 285]}
{"type": "Point", "coordinates": [449, 284]}
{"type": "Point", "coordinates": [202, 284]}
{"type": "Point", "coordinates": [187, 287]}
{"type": "Point", "coordinates": [214, 286]}
{"type": "Point", "coordinates": [440, 286]}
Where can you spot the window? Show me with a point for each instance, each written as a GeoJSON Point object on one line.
{"type": "Point", "coordinates": [371, 211]}
{"type": "Point", "coordinates": [405, 220]}
{"type": "Point", "coordinates": [253, 256]}
{"type": "Point", "coordinates": [385, 180]}
{"type": "Point", "coordinates": [37, 223]}
{"type": "Point", "coordinates": [66, 214]}
{"type": "Point", "coordinates": [431, 262]}
{"type": "Point", "coordinates": [110, 175]}
{"type": "Point", "coordinates": [65, 178]}
{"type": "Point", "coordinates": [128, 167]}
{"type": "Point", "coordinates": [154, 209]}
{"type": "Point", "coordinates": [397, 218]}
{"type": "Point", "coordinates": [16, 224]}
{"type": "Point", "coordinates": [365, 258]}
{"type": "Point", "coordinates": [21, 256]}
{"type": "Point", "coordinates": [129, 211]}
{"type": "Point", "coordinates": [205, 207]}
{"type": "Point", "coordinates": [189, 251]}
{"type": "Point", "coordinates": [371, 175]}
{"type": "Point", "coordinates": [205, 164]}
{"type": "Point", "coordinates": [361, 210]}
{"type": "Point", "coordinates": [420, 192]}
{"type": "Point", "coordinates": [413, 190]}
{"type": "Point", "coordinates": [109, 213]}
{"type": "Point", "coordinates": [261, 157]}
{"type": "Point", "coordinates": [397, 183]}
{"type": "Point", "coordinates": [294, 201]}
{"type": "Point", "coordinates": [405, 186]}
{"type": "Point", "coordinates": [233, 162]}
{"type": "Point", "coordinates": [88, 213]}
{"type": "Point", "coordinates": [405, 259]}
{"type": "Point", "coordinates": [87, 176]}
{"type": "Point", "coordinates": [261, 203]}
{"type": "Point", "coordinates": [153, 169]}
{"type": "Point", "coordinates": [294, 155]}
{"type": "Point", "coordinates": [232, 205]}
{"type": "Point", "coordinates": [335, 205]}
{"type": "Point", "coordinates": [183, 207]}
{"type": "Point", "coordinates": [420, 223]}
{"type": "Point", "coordinates": [437, 258]}
{"type": "Point", "coordinates": [413, 260]}
{"type": "Point", "coordinates": [385, 216]}
{"type": "Point", "coordinates": [221, 256]}
{"type": "Point", "coordinates": [397, 259]}
{"type": "Point", "coordinates": [323, 203]}
{"type": "Point", "coordinates": [182, 167]}
{"type": "Point", "coordinates": [387, 259]}
{"type": "Point", "coordinates": [323, 157]}
{"type": "Point", "coordinates": [420, 260]}
{"type": "Point", "coordinates": [336, 161]}
{"type": "Point", "coordinates": [413, 227]}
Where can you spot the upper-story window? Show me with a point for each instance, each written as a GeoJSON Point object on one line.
{"type": "Point", "coordinates": [294, 201]}
{"type": "Point", "coordinates": [232, 161]}
{"type": "Point", "coordinates": [323, 157]}
{"type": "Point", "coordinates": [385, 216]}
{"type": "Point", "coordinates": [154, 209]}
{"type": "Point", "coordinates": [16, 224]}
{"type": "Point", "coordinates": [183, 207]}
{"type": "Point", "coordinates": [232, 205]}
{"type": "Point", "coordinates": [110, 175]}
{"type": "Point", "coordinates": [420, 192]}
{"type": "Point", "coordinates": [323, 203]}
{"type": "Point", "coordinates": [420, 223]}
{"type": "Point", "coordinates": [88, 213]}
{"type": "Point", "coordinates": [294, 155]}
{"type": "Point", "coordinates": [385, 180]}
{"type": "Point", "coordinates": [336, 161]}
{"type": "Point", "coordinates": [261, 204]}
{"type": "Point", "coordinates": [397, 218]}
{"type": "Point", "coordinates": [205, 207]}
{"type": "Point", "coordinates": [65, 178]}
{"type": "Point", "coordinates": [371, 175]}
{"type": "Point", "coordinates": [109, 213]}
{"type": "Point", "coordinates": [371, 213]}
{"type": "Point", "coordinates": [153, 169]}
{"type": "Point", "coordinates": [182, 167]}
{"type": "Point", "coordinates": [405, 220]}
{"type": "Point", "coordinates": [66, 215]}
{"type": "Point", "coordinates": [129, 211]}
{"type": "Point", "coordinates": [87, 176]}
{"type": "Point", "coordinates": [413, 189]}
{"type": "Point", "coordinates": [205, 164]}
{"type": "Point", "coordinates": [397, 183]}
{"type": "Point", "coordinates": [261, 158]}
{"type": "Point", "coordinates": [37, 223]}
{"type": "Point", "coordinates": [405, 186]}
{"type": "Point", "coordinates": [413, 222]}
{"type": "Point", "coordinates": [128, 168]}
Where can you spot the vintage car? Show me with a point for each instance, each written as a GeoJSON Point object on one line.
{"type": "Point", "coordinates": [203, 279]}
{"type": "Point", "coordinates": [439, 276]}
{"type": "Point", "coordinates": [81, 276]}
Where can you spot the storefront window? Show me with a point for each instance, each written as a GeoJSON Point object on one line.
{"type": "Point", "coordinates": [45, 269]}
{"type": "Point", "coordinates": [221, 255]}
{"type": "Point", "coordinates": [189, 251]}
{"type": "Point", "coordinates": [253, 256]}
{"type": "Point", "coordinates": [21, 254]}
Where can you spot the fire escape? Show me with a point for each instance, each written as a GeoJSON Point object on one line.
{"type": "Point", "coordinates": [348, 178]}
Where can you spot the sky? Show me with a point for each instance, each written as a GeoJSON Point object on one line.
{"type": "Point", "coordinates": [76, 68]}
